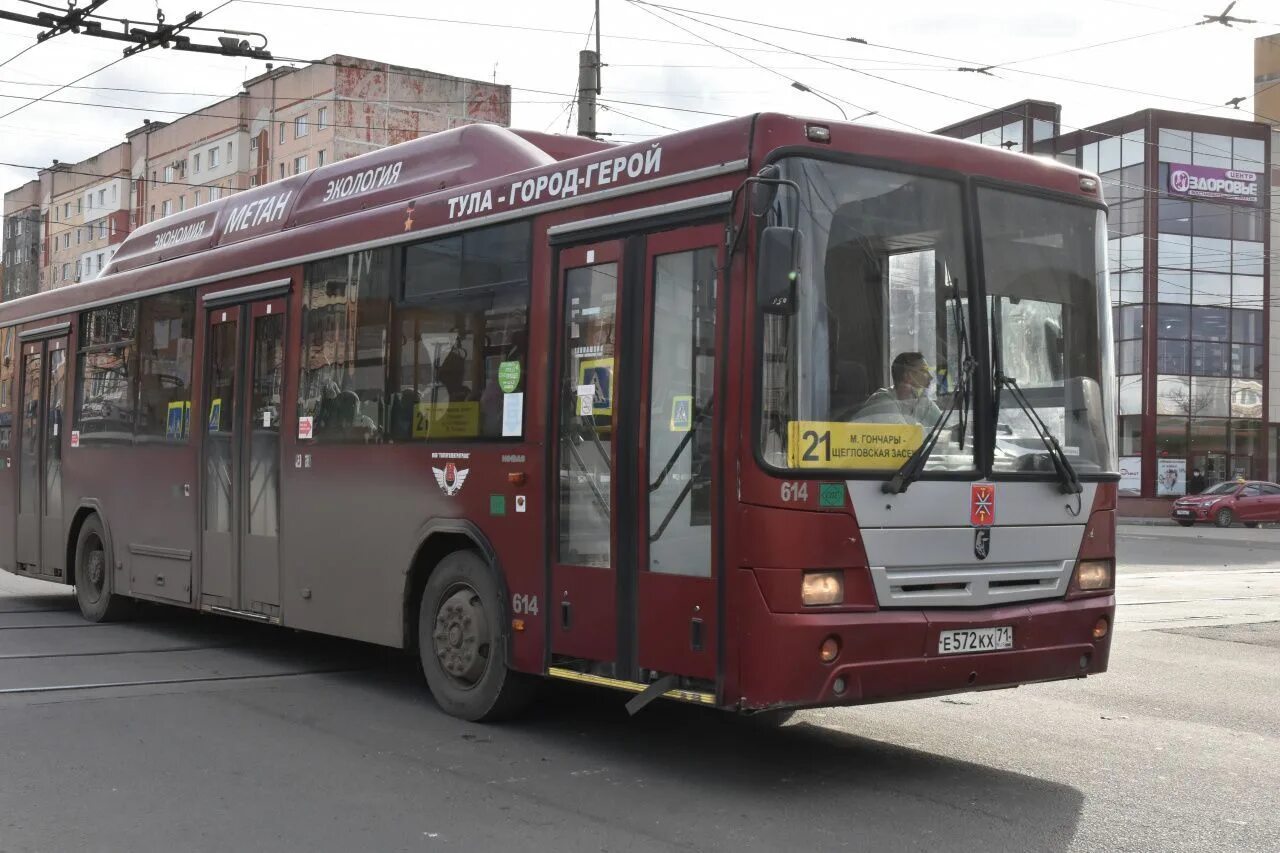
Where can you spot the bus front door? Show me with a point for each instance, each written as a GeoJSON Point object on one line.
{"type": "Point", "coordinates": [39, 536]}
{"type": "Point", "coordinates": [633, 591]}
{"type": "Point", "coordinates": [244, 390]}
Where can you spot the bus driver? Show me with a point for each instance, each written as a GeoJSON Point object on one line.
{"type": "Point", "coordinates": [905, 402]}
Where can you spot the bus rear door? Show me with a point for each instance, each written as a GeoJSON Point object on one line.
{"type": "Point", "coordinates": [39, 540]}
{"type": "Point", "coordinates": [633, 576]}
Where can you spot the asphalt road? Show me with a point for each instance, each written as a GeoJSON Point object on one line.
{"type": "Point", "coordinates": [192, 733]}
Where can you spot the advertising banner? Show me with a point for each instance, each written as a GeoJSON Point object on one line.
{"type": "Point", "coordinates": [1210, 183]}
{"type": "Point", "coordinates": [1171, 477]}
{"type": "Point", "coordinates": [1131, 475]}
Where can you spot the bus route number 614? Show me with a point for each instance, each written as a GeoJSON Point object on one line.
{"type": "Point", "coordinates": [524, 604]}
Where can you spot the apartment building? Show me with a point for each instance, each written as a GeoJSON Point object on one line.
{"type": "Point", "coordinates": [21, 241]}
{"type": "Point", "coordinates": [283, 122]}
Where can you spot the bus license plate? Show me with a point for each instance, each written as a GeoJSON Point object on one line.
{"type": "Point", "coordinates": [975, 640]}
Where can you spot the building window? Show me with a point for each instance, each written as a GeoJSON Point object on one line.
{"type": "Point", "coordinates": [253, 180]}
{"type": "Point", "coordinates": [322, 118]}
{"type": "Point", "coordinates": [213, 158]}
{"type": "Point", "coordinates": [215, 193]}
{"type": "Point", "coordinates": [195, 198]}
{"type": "Point", "coordinates": [300, 127]}
{"type": "Point", "coordinates": [102, 230]}
{"type": "Point", "coordinates": [153, 213]}
{"type": "Point", "coordinates": [182, 202]}
{"type": "Point", "coordinates": [168, 174]}
{"type": "Point", "coordinates": [253, 143]}
{"type": "Point", "coordinates": [165, 207]}
{"type": "Point", "coordinates": [100, 261]}
{"type": "Point", "coordinates": [66, 239]}
{"type": "Point", "coordinates": [77, 236]}
{"type": "Point", "coordinates": [66, 210]}
{"type": "Point", "coordinates": [320, 158]}
{"type": "Point", "coordinates": [79, 271]}
{"type": "Point", "coordinates": [229, 150]}
{"type": "Point", "coordinates": [299, 165]}
{"type": "Point", "coordinates": [282, 170]}
{"type": "Point", "coordinates": [79, 206]}
{"type": "Point", "coordinates": [195, 163]}
{"type": "Point", "coordinates": [281, 133]}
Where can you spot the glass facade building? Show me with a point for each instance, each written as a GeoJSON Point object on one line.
{"type": "Point", "coordinates": [1189, 230]}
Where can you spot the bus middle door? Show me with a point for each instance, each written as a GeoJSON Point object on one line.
{"type": "Point", "coordinates": [244, 382]}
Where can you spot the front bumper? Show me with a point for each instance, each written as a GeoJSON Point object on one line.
{"type": "Point", "coordinates": [893, 654]}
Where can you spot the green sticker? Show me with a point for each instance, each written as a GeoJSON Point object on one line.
{"type": "Point", "coordinates": [497, 505]}
{"type": "Point", "coordinates": [509, 376]}
{"type": "Point", "coordinates": [831, 494]}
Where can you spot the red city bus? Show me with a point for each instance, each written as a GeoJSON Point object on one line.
{"type": "Point", "coordinates": [763, 415]}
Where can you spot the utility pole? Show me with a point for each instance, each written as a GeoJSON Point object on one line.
{"type": "Point", "coordinates": [589, 84]}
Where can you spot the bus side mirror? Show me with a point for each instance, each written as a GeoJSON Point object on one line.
{"type": "Point", "coordinates": [778, 270]}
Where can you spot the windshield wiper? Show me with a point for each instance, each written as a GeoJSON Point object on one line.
{"type": "Point", "coordinates": [1068, 480]}
{"type": "Point", "coordinates": [914, 466]}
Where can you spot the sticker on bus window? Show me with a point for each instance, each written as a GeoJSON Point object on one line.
{"type": "Point", "coordinates": [833, 444]}
{"type": "Point", "coordinates": [175, 424]}
{"type": "Point", "coordinates": [446, 420]}
{"type": "Point", "coordinates": [306, 427]}
{"type": "Point", "coordinates": [597, 373]}
{"type": "Point", "coordinates": [75, 438]}
{"type": "Point", "coordinates": [508, 376]}
{"type": "Point", "coordinates": [681, 413]}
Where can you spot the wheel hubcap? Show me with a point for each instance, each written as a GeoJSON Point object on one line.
{"type": "Point", "coordinates": [461, 637]}
{"type": "Point", "coordinates": [93, 571]}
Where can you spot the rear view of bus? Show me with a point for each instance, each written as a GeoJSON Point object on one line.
{"type": "Point", "coordinates": [928, 487]}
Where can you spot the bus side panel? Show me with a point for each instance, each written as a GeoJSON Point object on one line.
{"type": "Point", "coordinates": [147, 495]}
{"type": "Point", "coordinates": [355, 518]}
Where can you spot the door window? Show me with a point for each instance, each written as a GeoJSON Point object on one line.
{"type": "Point", "coordinates": [29, 465]}
{"type": "Point", "coordinates": [682, 382]}
{"type": "Point", "coordinates": [53, 432]}
{"type": "Point", "coordinates": [265, 409]}
{"type": "Point", "coordinates": [587, 414]}
{"type": "Point", "coordinates": [220, 423]}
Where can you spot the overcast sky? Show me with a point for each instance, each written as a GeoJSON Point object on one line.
{"type": "Point", "coordinates": [655, 69]}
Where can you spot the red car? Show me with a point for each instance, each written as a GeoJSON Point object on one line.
{"type": "Point", "coordinates": [1228, 502]}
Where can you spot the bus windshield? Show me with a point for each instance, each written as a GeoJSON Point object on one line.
{"type": "Point", "coordinates": [872, 357]}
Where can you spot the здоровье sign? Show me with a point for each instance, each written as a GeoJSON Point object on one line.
{"type": "Point", "coordinates": [1208, 182]}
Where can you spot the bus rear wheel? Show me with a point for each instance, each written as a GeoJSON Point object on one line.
{"type": "Point", "coordinates": [95, 586]}
{"type": "Point", "coordinates": [463, 642]}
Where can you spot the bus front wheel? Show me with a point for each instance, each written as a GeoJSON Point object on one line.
{"type": "Point", "coordinates": [94, 578]}
{"type": "Point", "coordinates": [463, 642]}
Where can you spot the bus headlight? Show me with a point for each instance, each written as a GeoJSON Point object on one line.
{"type": "Point", "coordinates": [1095, 574]}
{"type": "Point", "coordinates": [822, 588]}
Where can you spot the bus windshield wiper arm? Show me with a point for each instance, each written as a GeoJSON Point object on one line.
{"type": "Point", "coordinates": [914, 466]}
{"type": "Point", "coordinates": [1068, 480]}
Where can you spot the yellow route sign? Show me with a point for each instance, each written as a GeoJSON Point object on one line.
{"type": "Point", "coordinates": [833, 444]}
